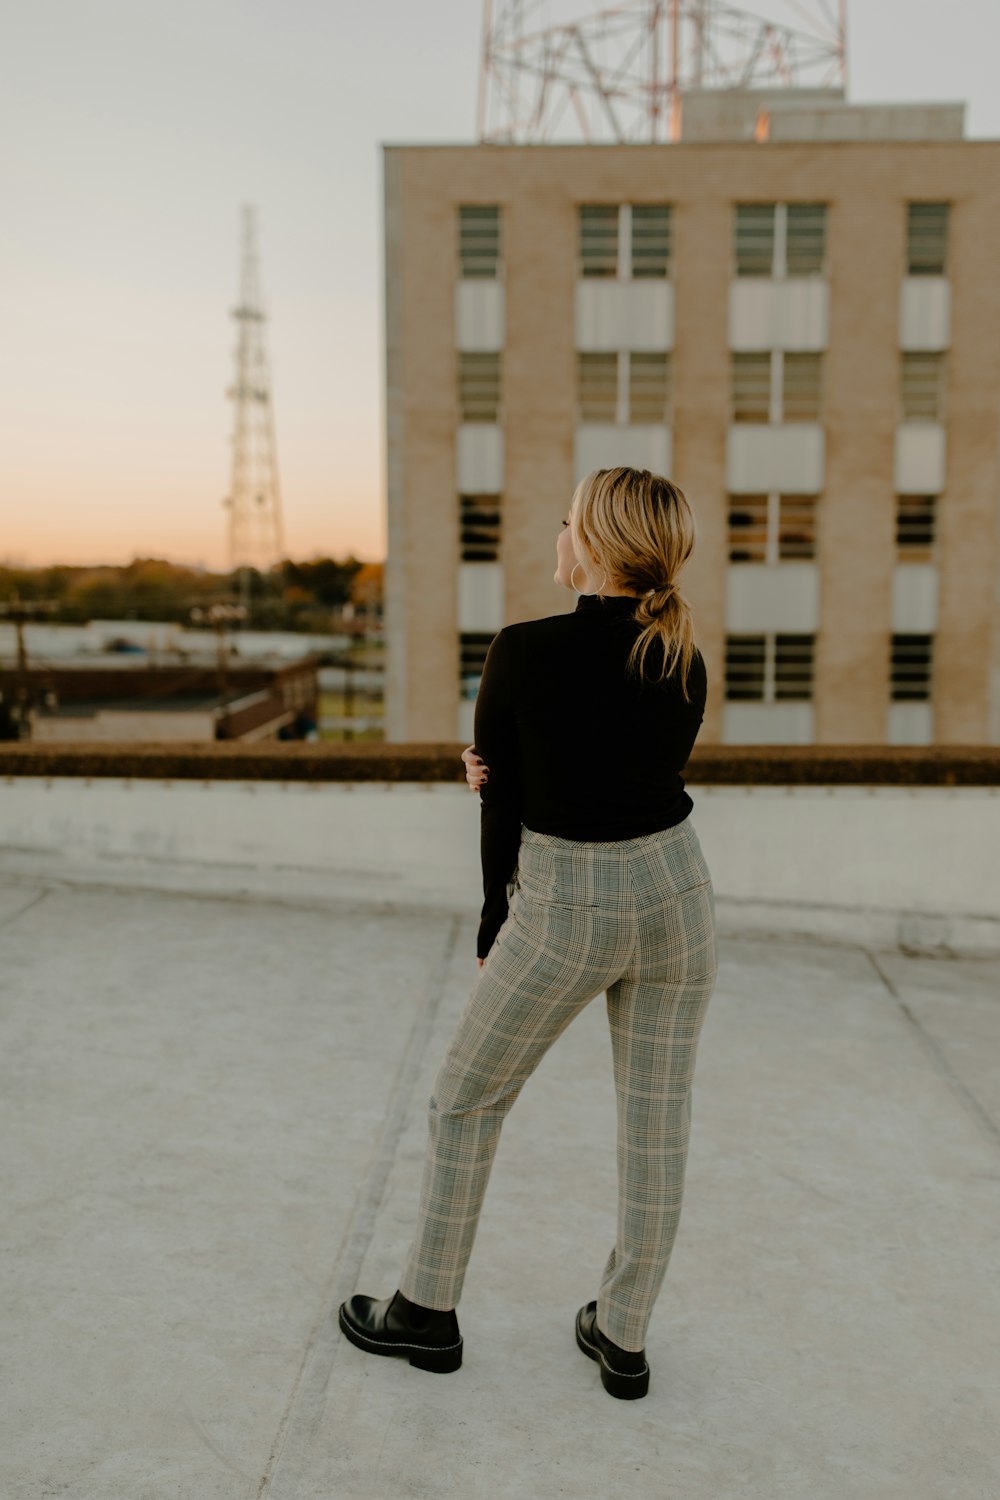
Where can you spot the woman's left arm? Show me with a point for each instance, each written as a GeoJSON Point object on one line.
{"type": "Point", "coordinates": [501, 794]}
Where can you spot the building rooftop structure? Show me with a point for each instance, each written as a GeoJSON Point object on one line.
{"type": "Point", "coordinates": [226, 1003]}
{"type": "Point", "coordinates": [810, 114]}
{"type": "Point", "coordinates": [140, 703]}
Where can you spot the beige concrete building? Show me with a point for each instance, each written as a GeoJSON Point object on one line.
{"type": "Point", "coordinates": [794, 312]}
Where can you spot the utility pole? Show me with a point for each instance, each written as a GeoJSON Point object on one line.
{"type": "Point", "coordinates": [17, 707]}
{"type": "Point", "coordinates": [220, 616]}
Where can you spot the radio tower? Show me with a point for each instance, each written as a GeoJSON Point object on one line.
{"type": "Point", "coordinates": [620, 73]}
{"type": "Point", "coordinates": [256, 538]}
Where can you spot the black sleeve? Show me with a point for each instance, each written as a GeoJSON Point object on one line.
{"type": "Point", "coordinates": [501, 795]}
{"type": "Point", "coordinates": [691, 721]}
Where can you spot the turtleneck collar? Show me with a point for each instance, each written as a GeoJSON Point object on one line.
{"type": "Point", "coordinates": [610, 604]}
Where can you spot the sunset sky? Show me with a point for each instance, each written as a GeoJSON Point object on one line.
{"type": "Point", "coordinates": [132, 132]}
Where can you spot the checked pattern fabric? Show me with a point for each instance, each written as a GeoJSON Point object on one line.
{"type": "Point", "coordinates": [633, 919]}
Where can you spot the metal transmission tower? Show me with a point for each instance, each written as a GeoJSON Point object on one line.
{"type": "Point", "coordinates": [256, 538]}
{"type": "Point", "coordinates": [623, 70]}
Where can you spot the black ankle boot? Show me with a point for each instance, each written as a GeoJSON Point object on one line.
{"type": "Point", "coordinates": [425, 1336]}
{"type": "Point", "coordinates": [624, 1372]}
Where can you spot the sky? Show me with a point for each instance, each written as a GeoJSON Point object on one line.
{"type": "Point", "coordinates": [131, 131]}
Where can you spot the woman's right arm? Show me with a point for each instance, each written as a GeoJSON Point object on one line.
{"type": "Point", "coordinates": [500, 795]}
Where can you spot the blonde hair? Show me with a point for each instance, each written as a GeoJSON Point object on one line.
{"type": "Point", "coordinates": [640, 529]}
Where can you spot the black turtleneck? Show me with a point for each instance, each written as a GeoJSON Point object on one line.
{"type": "Point", "coordinates": [574, 747]}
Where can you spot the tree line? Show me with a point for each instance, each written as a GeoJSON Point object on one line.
{"type": "Point", "coordinates": [307, 596]}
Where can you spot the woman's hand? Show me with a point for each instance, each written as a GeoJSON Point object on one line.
{"type": "Point", "coordinates": [476, 770]}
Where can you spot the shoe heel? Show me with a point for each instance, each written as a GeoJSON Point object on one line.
{"type": "Point", "coordinates": [625, 1387]}
{"type": "Point", "coordinates": [441, 1361]}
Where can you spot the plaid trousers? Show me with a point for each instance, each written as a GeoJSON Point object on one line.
{"type": "Point", "coordinates": [634, 919]}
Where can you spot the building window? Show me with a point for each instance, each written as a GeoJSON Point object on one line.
{"type": "Point", "coordinates": [479, 387]}
{"type": "Point", "coordinates": [926, 239]}
{"type": "Point", "coordinates": [801, 387]}
{"type": "Point", "coordinates": [915, 518]}
{"type": "Point", "coordinates": [472, 648]}
{"type": "Point", "coordinates": [629, 239]}
{"type": "Point", "coordinates": [805, 242]}
{"type": "Point", "coordinates": [648, 388]}
{"type": "Point", "coordinates": [793, 667]}
{"type": "Point", "coordinates": [599, 239]}
{"type": "Point", "coordinates": [746, 657]}
{"type": "Point", "coordinates": [772, 528]}
{"type": "Point", "coordinates": [751, 387]}
{"type": "Point", "coordinates": [769, 668]}
{"type": "Point", "coordinates": [754, 228]}
{"type": "Point", "coordinates": [779, 239]}
{"type": "Point", "coordinates": [922, 394]}
{"type": "Point", "coordinates": [597, 387]}
{"type": "Point", "coordinates": [650, 239]}
{"type": "Point", "coordinates": [911, 668]}
{"type": "Point", "coordinates": [796, 527]}
{"type": "Point", "coordinates": [479, 528]}
{"type": "Point", "coordinates": [748, 528]}
{"type": "Point", "coordinates": [478, 240]}
{"type": "Point", "coordinates": [642, 379]}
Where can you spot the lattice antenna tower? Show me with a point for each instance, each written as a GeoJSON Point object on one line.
{"type": "Point", "coordinates": [619, 74]}
{"type": "Point", "coordinates": [256, 536]}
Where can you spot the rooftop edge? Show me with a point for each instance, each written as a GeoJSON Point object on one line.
{"type": "Point", "coordinates": [440, 761]}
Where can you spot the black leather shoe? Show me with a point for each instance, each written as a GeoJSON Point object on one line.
{"type": "Point", "coordinates": [624, 1372]}
{"type": "Point", "coordinates": [425, 1336]}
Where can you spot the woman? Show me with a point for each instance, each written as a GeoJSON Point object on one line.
{"type": "Point", "coordinates": [594, 881]}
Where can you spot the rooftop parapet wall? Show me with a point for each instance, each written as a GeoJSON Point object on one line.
{"type": "Point", "coordinates": [720, 765]}
{"type": "Point", "coordinates": [863, 844]}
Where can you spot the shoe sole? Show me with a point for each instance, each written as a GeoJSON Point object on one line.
{"type": "Point", "coordinates": [423, 1356]}
{"type": "Point", "coordinates": [627, 1387]}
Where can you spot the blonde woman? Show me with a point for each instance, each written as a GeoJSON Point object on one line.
{"type": "Point", "coordinates": [594, 882]}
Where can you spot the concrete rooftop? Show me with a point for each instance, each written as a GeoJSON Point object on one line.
{"type": "Point", "coordinates": [213, 1129]}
